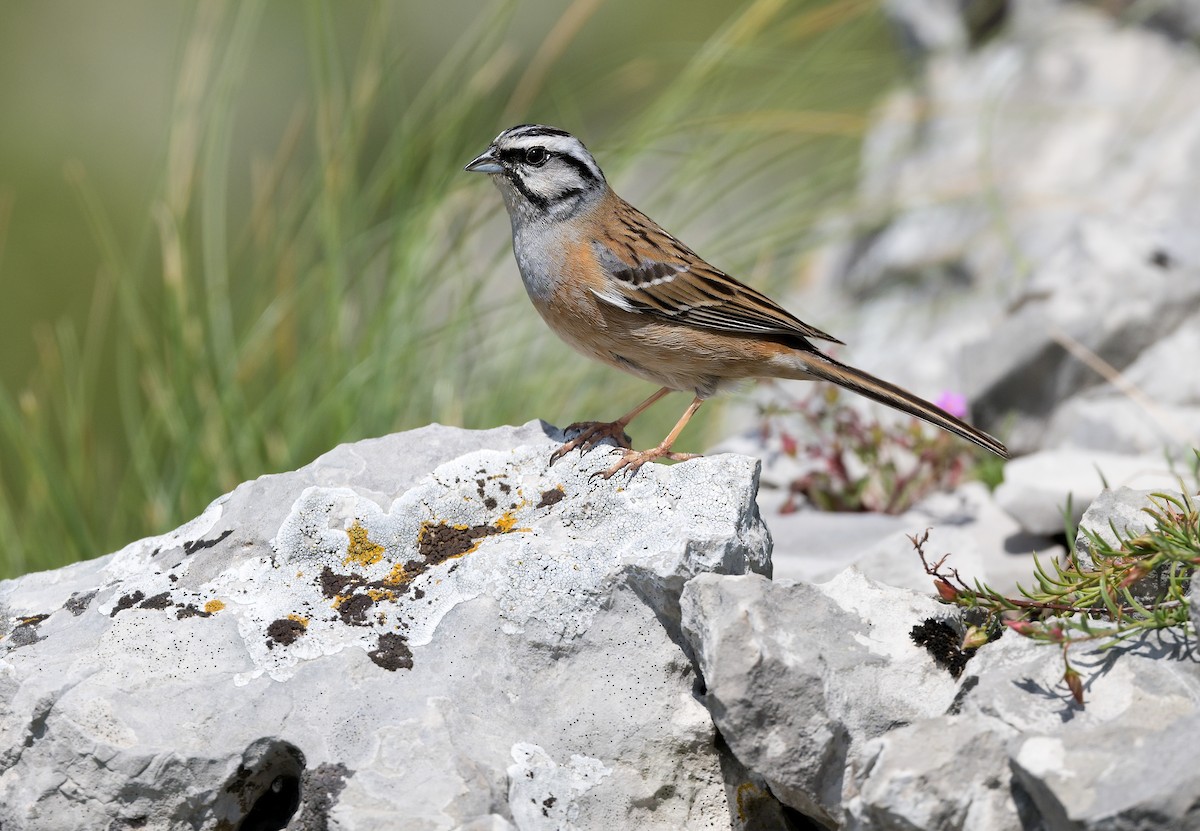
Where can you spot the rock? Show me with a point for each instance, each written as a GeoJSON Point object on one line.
{"type": "Point", "coordinates": [1099, 767]}
{"type": "Point", "coordinates": [1029, 757]}
{"type": "Point", "coordinates": [1121, 511]}
{"type": "Point", "coordinates": [821, 691]}
{"type": "Point", "coordinates": [944, 25]}
{"type": "Point", "coordinates": [433, 626]}
{"type": "Point", "coordinates": [997, 237]}
{"type": "Point", "coordinates": [1120, 515]}
{"type": "Point", "coordinates": [984, 541]}
{"type": "Point", "coordinates": [1178, 19]}
{"type": "Point", "coordinates": [814, 546]}
{"type": "Point", "coordinates": [799, 676]}
{"type": "Point", "coordinates": [1160, 407]}
{"type": "Point", "coordinates": [945, 772]}
{"type": "Point", "coordinates": [1037, 488]}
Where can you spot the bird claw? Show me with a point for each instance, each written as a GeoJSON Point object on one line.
{"type": "Point", "coordinates": [592, 433]}
{"type": "Point", "coordinates": [631, 460]}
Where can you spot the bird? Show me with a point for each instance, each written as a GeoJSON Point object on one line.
{"type": "Point", "coordinates": [615, 286]}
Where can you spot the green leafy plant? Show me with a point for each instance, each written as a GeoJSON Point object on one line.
{"type": "Point", "coordinates": [1135, 585]}
{"type": "Point", "coordinates": [857, 463]}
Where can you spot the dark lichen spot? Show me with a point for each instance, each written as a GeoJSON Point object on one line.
{"type": "Point", "coordinates": [392, 652]}
{"type": "Point", "coordinates": [1162, 259]}
{"type": "Point", "coordinates": [547, 804]}
{"type": "Point", "coordinates": [24, 636]}
{"type": "Point", "coordinates": [490, 502]}
{"type": "Point", "coordinates": [353, 610]}
{"type": "Point", "coordinates": [195, 545]}
{"type": "Point", "coordinates": [418, 593]}
{"type": "Point", "coordinates": [284, 631]}
{"type": "Point", "coordinates": [128, 601]}
{"type": "Point", "coordinates": [190, 610]}
{"type": "Point", "coordinates": [78, 601]}
{"type": "Point", "coordinates": [173, 577]}
{"type": "Point", "coordinates": [159, 601]}
{"type": "Point", "coordinates": [333, 584]}
{"type": "Point", "coordinates": [351, 594]}
{"type": "Point", "coordinates": [354, 595]}
{"type": "Point", "coordinates": [319, 789]}
{"type": "Point", "coordinates": [439, 542]}
{"type": "Point", "coordinates": [25, 632]}
{"type": "Point", "coordinates": [551, 497]}
{"type": "Point", "coordinates": [944, 644]}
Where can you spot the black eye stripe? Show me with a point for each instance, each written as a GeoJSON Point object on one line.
{"type": "Point", "coordinates": [516, 156]}
{"type": "Point", "coordinates": [511, 155]}
{"type": "Point", "coordinates": [539, 202]}
{"type": "Point", "coordinates": [581, 167]}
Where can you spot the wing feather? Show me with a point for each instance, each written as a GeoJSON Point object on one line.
{"type": "Point", "coordinates": [677, 285]}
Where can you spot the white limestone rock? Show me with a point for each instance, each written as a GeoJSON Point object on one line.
{"type": "Point", "coordinates": [1038, 488]}
{"type": "Point", "coordinates": [1010, 199]}
{"type": "Point", "coordinates": [1103, 766]}
{"type": "Point", "coordinates": [1120, 515]}
{"type": "Point", "coordinates": [948, 772]}
{"type": "Point", "coordinates": [428, 630]}
{"type": "Point", "coordinates": [1160, 409]}
{"type": "Point", "coordinates": [799, 676]}
{"type": "Point", "coordinates": [820, 690]}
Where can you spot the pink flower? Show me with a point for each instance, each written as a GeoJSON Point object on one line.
{"type": "Point", "coordinates": [952, 402]}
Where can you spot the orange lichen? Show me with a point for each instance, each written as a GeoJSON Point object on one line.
{"type": "Point", "coordinates": [303, 621]}
{"type": "Point", "coordinates": [398, 576]}
{"type": "Point", "coordinates": [213, 605]}
{"type": "Point", "coordinates": [361, 550]}
{"type": "Point", "coordinates": [507, 522]}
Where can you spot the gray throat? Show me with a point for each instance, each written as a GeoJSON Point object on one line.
{"type": "Point", "coordinates": [538, 236]}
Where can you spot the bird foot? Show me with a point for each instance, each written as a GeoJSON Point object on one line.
{"type": "Point", "coordinates": [631, 460]}
{"type": "Point", "coordinates": [592, 433]}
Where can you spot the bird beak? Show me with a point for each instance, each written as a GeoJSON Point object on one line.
{"type": "Point", "coordinates": [485, 162]}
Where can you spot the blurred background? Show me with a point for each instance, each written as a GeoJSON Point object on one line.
{"type": "Point", "coordinates": [234, 235]}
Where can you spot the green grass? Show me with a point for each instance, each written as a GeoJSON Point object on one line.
{"type": "Point", "coordinates": [355, 282]}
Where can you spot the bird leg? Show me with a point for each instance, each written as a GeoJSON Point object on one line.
{"type": "Point", "coordinates": [631, 460]}
{"type": "Point", "coordinates": [594, 432]}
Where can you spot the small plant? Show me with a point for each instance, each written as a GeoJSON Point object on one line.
{"type": "Point", "coordinates": [1137, 584]}
{"type": "Point", "coordinates": [857, 463]}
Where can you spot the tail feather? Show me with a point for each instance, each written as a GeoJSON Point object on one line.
{"type": "Point", "coordinates": [822, 367]}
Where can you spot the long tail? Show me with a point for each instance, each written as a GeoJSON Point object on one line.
{"type": "Point", "coordinates": [822, 367]}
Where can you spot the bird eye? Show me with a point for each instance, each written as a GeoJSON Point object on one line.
{"type": "Point", "coordinates": [536, 156]}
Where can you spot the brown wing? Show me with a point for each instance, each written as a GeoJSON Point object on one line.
{"type": "Point", "coordinates": [654, 273]}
